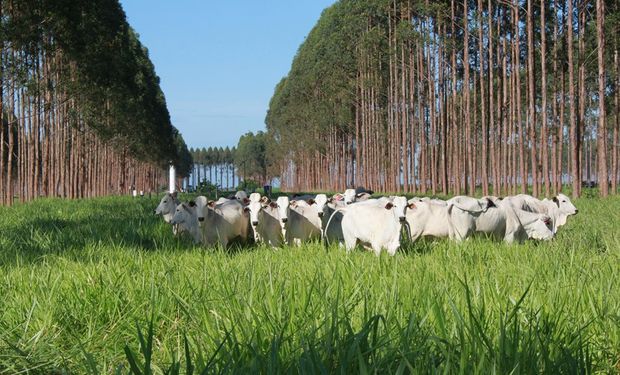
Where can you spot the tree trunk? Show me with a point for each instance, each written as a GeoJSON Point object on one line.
{"type": "Point", "coordinates": [603, 180]}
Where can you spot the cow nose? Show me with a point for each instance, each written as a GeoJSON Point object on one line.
{"type": "Point", "coordinates": [255, 223]}
{"type": "Point", "coordinates": [201, 219]}
{"type": "Point", "coordinates": [284, 220]}
{"type": "Point", "coordinates": [402, 219]}
{"type": "Point", "coordinates": [320, 214]}
{"type": "Point", "coordinates": [576, 211]}
{"type": "Point", "coordinates": [155, 212]}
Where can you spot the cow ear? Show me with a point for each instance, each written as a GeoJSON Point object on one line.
{"type": "Point", "coordinates": [211, 204]}
{"type": "Point", "coordinates": [246, 201]}
{"type": "Point", "coordinates": [246, 209]}
{"type": "Point", "coordinates": [174, 195]}
{"type": "Point", "coordinates": [490, 203]}
{"type": "Point", "coordinates": [192, 204]}
{"type": "Point", "coordinates": [264, 200]}
{"type": "Point", "coordinates": [292, 203]}
{"type": "Point", "coordinates": [557, 201]}
{"type": "Point", "coordinates": [310, 201]}
{"type": "Point", "coordinates": [389, 205]}
{"type": "Point", "coordinates": [273, 204]}
{"type": "Point", "coordinates": [330, 200]}
{"type": "Point", "coordinates": [411, 205]}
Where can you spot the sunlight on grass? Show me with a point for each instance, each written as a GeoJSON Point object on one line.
{"type": "Point", "coordinates": [82, 281]}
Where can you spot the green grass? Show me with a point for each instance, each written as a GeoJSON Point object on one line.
{"type": "Point", "coordinates": [79, 279]}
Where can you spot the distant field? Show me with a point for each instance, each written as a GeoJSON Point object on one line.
{"type": "Point", "coordinates": [78, 277]}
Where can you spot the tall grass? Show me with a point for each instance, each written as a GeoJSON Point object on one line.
{"type": "Point", "coordinates": [102, 286]}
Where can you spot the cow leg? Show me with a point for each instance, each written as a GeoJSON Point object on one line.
{"type": "Point", "coordinates": [349, 241]}
{"type": "Point", "coordinates": [376, 247]}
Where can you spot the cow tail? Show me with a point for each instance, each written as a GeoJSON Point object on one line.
{"type": "Point", "coordinates": [324, 234]}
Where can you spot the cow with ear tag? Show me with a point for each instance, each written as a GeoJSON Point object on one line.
{"type": "Point", "coordinates": [375, 223]}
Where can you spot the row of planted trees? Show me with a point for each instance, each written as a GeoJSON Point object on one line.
{"type": "Point", "coordinates": [213, 164]}
{"type": "Point", "coordinates": [245, 166]}
{"type": "Point", "coordinates": [450, 96]}
{"type": "Point", "coordinates": [82, 113]}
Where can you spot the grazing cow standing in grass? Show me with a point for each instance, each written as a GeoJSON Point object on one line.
{"type": "Point", "coordinates": [265, 220]}
{"type": "Point", "coordinates": [463, 212]}
{"type": "Point", "coordinates": [375, 223]}
{"type": "Point", "coordinates": [505, 222]}
{"type": "Point", "coordinates": [429, 218]}
{"type": "Point", "coordinates": [559, 208]}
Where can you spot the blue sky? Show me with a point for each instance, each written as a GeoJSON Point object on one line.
{"type": "Point", "coordinates": [219, 61]}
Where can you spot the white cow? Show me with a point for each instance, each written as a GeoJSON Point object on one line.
{"type": "Point", "coordinates": [304, 222]}
{"type": "Point", "coordinates": [455, 220]}
{"type": "Point", "coordinates": [225, 222]}
{"type": "Point", "coordinates": [351, 195]}
{"type": "Point", "coordinates": [201, 202]}
{"type": "Point", "coordinates": [239, 195]}
{"type": "Point", "coordinates": [375, 223]}
{"type": "Point", "coordinates": [186, 218]}
{"type": "Point", "coordinates": [559, 208]}
{"type": "Point", "coordinates": [505, 222]}
{"type": "Point", "coordinates": [222, 223]}
{"type": "Point", "coordinates": [166, 208]}
{"type": "Point", "coordinates": [266, 220]}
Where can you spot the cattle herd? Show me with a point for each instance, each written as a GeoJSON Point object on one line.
{"type": "Point", "coordinates": [353, 218]}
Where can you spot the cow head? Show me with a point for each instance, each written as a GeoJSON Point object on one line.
{"type": "Point", "coordinates": [537, 227]}
{"type": "Point", "coordinates": [200, 203]}
{"type": "Point", "coordinates": [167, 205]}
{"type": "Point", "coordinates": [282, 204]}
{"type": "Point", "coordinates": [321, 204]}
{"type": "Point", "coordinates": [241, 196]}
{"type": "Point", "coordinates": [255, 205]}
{"type": "Point", "coordinates": [349, 196]}
{"type": "Point", "coordinates": [564, 204]}
{"type": "Point", "coordinates": [398, 206]}
{"type": "Point", "coordinates": [184, 214]}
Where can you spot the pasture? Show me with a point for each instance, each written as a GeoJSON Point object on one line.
{"type": "Point", "coordinates": [82, 281]}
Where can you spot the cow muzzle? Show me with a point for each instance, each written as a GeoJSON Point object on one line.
{"type": "Point", "coordinates": [255, 223]}
{"type": "Point", "coordinates": [402, 219]}
{"type": "Point", "coordinates": [320, 214]}
{"type": "Point", "coordinates": [284, 220]}
{"type": "Point", "coordinates": [201, 219]}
